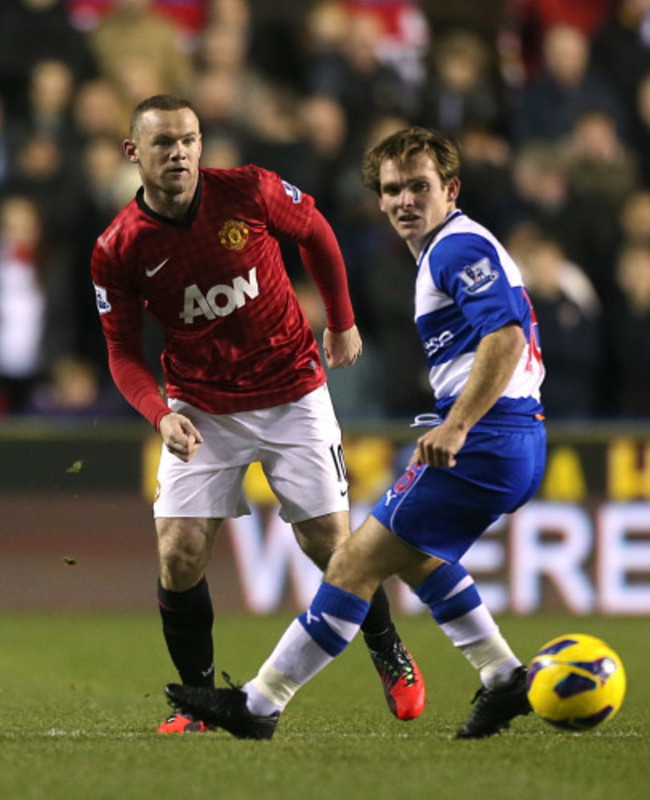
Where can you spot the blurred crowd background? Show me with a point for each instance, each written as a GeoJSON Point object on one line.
{"type": "Point", "coordinates": [549, 100]}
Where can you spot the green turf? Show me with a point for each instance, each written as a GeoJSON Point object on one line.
{"type": "Point", "coordinates": [80, 698]}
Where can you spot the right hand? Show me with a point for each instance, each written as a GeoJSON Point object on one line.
{"type": "Point", "coordinates": [180, 436]}
{"type": "Point", "coordinates": [439, 446]}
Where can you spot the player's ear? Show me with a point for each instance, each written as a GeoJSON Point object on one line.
{"type": "Point", "coordinates": [382, 206]}
{"type": "Point", "coordinates": [130, 150]}
{"type": "Point", "coordinates": [453, 189]}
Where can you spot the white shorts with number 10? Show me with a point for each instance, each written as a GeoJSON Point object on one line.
{"type": "Point", "coordinates": [298, 445]}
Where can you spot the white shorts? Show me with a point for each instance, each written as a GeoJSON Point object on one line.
{"type": "Point", "coordinates": [298, 445]}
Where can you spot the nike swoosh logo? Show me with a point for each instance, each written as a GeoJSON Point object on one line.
{"type": "Point", "coordinates": [151, 272]}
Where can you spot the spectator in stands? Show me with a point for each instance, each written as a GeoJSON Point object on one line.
{"type": "Point", "coordinates": [550, 103]}
{"type": "Point", "coordinates": [354, 75]}
{"type": "Point", "coordinates": [568, 313]}
{"type": "Point", "coordinates": [49, 96]}
{"type": "Point", "coordinates": [541, 185]}
{"type": "Point", "coordinates": [223, 48]}
{"type": "Point", "coordinates": [585, 226]}
{"type": "Point", "coordinates": [38, 172]}
{"type": "Point", "coordinates": [48, 109]}
{"type": "Point", "coordinates": [98, 110]}
{"type": "Point", "coordinates": [107, 185]}
{"type": "Point", "coordinates": [464, 85]}
{"type": "Point", "coordinates": [23, 304]}
{"type": "Point", "coordinates": [360, 394]}
{"type": "Point", "coordinates": [72, 389]}
{"type": "Point", "coordinates": [236, 14]}
{"type": "Point", "coordinates": [136, 76]}
{"type": "Point", "coordinates": [531, 19]}
{"type": "Point", "coordinates": [31, 31]}
{"type": "Point", "coordinates": [640, 139]}
{"type": "Point", "coordinates": [326, 129]}
{"type": "Point", "coordinates": [324, 25]}
{"type": "Point", "coordinates": [135, 35]}
{"type": "Point", "coordinates": [276, 137]}
{"type": "Point", "coordinates": [222, 152]}
{"type": "Point", "coordinates": [629, 331]}
{"type": "Point", "coordinates": [487, 162]}
{"type": "Point", "coordinates": [634, 218]}
{"type": "Point", "coordinates": [599, 164]}
{"type": "Point", "coordinates": [405, 36]}
{"type": "Point", "coordinates": [621, 48]}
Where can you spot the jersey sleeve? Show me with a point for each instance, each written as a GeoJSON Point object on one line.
{"type": "Point", "coordinates": [467, 268]}
{"type": "Point", "coordinates": [293, 213]}
{"type": "Point", "coordinates": [323, 259]}
{"type": "Point", "coordinates": [287, 208]}
{"type": "Point", "coordinates": [120, 311]}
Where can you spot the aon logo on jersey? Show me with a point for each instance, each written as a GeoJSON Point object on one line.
{"type": "Point", "coordinates": [220, 300]}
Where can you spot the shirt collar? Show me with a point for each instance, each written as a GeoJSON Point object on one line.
{"type": "Point", "coordinates": [187, 220]}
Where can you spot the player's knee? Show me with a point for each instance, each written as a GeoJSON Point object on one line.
{"type": "Point", "coordinates": [321, 537]}
{"type": "Point", "coordinates": [183, 554]}
{"type": "Point", "coordinates": [350, 572]}
{"type": "Point", "coordinates": [180, 570]}
{"type": "Point", "coordinates": [318, 550]}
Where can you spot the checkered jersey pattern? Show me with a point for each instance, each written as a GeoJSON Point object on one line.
{"type": "Point", "coordinates": [236, 338]}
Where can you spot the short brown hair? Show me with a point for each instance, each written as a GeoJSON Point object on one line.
{"type": "Point", "coordinates": [402, 145]}
{"type": "Point", "coordinates": [161, 102]}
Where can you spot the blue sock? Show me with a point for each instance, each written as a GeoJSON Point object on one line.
{"type": "Point", "coordinates": [456, 605]}
{"type": "Point", "coordinates": [334, 618]}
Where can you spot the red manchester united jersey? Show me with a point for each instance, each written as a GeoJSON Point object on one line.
{"type": "Point", "coordinates": [236, 338]}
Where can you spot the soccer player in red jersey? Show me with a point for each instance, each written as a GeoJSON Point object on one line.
{"type": "Point", "coordinates": [199, 249]}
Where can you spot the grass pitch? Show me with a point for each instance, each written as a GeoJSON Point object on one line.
{"type": "Point", "coordinates": [81, 697]}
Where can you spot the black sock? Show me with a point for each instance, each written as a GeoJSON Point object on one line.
{"type": "Point", "coordinates": [187, 625]}
{"type": "Point", "coordinates": [378, 628]}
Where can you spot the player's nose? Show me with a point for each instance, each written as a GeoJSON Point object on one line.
{"type": "Point", "coordinates": [178, 151]}
{"type": "Point", "coordinates": [406, 198]}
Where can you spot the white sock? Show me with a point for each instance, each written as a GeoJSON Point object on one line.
{"type": "Point", "coordinates": [493, 658]}
{"type": "Point", "coordinates": [477, 636]}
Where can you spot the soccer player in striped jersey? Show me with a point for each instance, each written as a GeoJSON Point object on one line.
{"type": "Point", "coordinates": [482, 456]}
{"type": "Point", "coordinates": [198, 249]}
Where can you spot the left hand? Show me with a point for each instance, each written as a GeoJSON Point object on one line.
{"type": "Point", "coordinates": [342, 349]}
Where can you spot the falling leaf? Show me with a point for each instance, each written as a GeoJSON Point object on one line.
{"type": "Point", "coordinates": [76, 467]}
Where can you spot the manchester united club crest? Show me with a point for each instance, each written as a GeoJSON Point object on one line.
{"type": "Point", "coordinates": [234, 234]}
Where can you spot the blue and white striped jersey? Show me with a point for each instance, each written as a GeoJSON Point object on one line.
{"type": "Point", "coordinates": [467, 287]}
